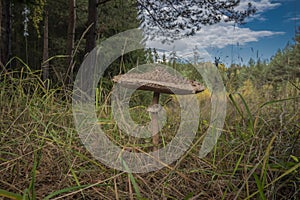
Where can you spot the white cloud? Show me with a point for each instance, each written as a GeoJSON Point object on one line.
{"type": "Point", "coordinates": [215, 36]}
{"type": "Point", "coordinates": [261, 5]}
{"type": "Point", "coordinates": [220, 35]}
{"type": "Point", "coordinates": [293, 19]}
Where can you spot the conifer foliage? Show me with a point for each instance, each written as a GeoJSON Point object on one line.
{"type": "Point", "coordinates": [176, 19]}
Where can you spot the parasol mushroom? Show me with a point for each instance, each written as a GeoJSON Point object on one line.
{"type": "Point", "coordinates": [159, 80]}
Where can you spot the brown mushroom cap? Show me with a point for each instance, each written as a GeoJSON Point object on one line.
{"type": "Point", "coordinates": [159, 80]}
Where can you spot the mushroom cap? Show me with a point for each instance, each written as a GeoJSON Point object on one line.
{"type": "Point", "coordinates": [159, 80]}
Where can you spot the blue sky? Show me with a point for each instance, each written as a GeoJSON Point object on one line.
{"type": "Point", "coordinates": [281, 18]}
{"type": "Point", "coordinates": [270, 29]}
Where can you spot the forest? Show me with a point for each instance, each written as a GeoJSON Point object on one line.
{"type": "Point", "coordinates": [42, 46]}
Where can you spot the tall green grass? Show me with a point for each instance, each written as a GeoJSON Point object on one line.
{"type": "Point", "coordinates": [42, 157]}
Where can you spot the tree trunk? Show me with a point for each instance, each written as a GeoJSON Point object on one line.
{"type": "Point", "coordinates": [0, 22]}
{"type": "Point", "coordinates": [1, 65]}
{"type": "Point", "coordinates": [71, 41]}
{"type": "Point", "coordinates": [5, 35]}
{"type": "Point", "coordinates": [45, 65]}
{"type": "Point", "coordinates": [92, 21]}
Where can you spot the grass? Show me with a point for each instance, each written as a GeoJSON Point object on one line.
{"type": "Point", "coordinates": [42, 157]}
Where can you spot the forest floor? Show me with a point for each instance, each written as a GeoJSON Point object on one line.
{"type": "Point", "coordinates": [42, 156]}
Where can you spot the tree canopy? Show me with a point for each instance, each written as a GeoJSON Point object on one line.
{"type": "Point", "coordinates": [177, 19]}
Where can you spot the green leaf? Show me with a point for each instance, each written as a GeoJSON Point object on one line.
{"type": "Point", "coordinates": [295, 158]}
{"type": "Point", "coordinates": [259, 186]}
{"type": "Point", "coordinates": [132, 179]}
{"type": "Point", "coordinates": [10, 195]}
{"type": "Point", "coordinates": [69, 189]}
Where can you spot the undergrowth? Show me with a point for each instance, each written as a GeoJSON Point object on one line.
{"type": "Point", "coordinates": [42, 157]}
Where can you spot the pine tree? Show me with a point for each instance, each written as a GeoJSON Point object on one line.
{"type": "Point", "coordinates": [177, 19]}
{"type": "Point", "coordinates": [295, 55]}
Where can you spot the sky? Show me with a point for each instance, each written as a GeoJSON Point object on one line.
{"type": "Point", "coordinates": [270, 29]}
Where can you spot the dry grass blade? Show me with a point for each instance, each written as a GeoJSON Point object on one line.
{"type": "Point", "coordinates": [42, 156]}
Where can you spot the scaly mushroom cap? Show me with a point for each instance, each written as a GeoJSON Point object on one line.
{"type": "Point", "coordinates": [159, 80]}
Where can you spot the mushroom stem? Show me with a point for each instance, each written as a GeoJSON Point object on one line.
{"type": "Point", "coordinates": [154, 118]}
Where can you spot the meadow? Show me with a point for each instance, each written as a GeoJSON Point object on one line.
{"type": "Point", "coordinates": [42, 156]}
